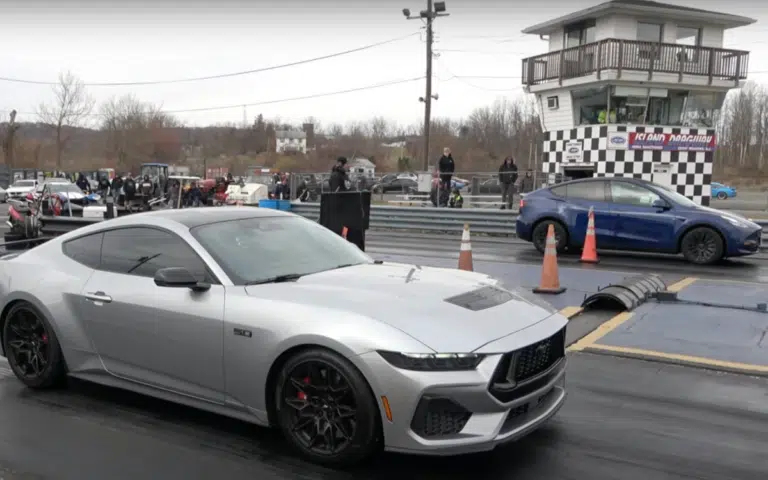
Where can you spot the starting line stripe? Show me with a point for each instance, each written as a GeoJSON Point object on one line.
{"type": "Point", "coordinates": [570, 312]}
{"type": "Point", "coordinates": [684, 359]}
{"type": "Point", "coordinates": [601, 331]}
{"type": "Point", "coordinates": [679, 286]}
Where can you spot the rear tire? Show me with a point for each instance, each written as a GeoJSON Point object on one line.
{"type": "Point", "coordinates": [319, 385]}
{"type": "Point", "coordinates": [27, 331]}
{"type": "Point", "coordinates": [702, 246]}
{"type": "Point", "coordinates": [539, 235]}
{"type": "Point", "coordinates": [722, 195]}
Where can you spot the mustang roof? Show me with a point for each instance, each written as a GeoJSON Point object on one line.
{"type": "Point", "coordinates": [194, 217]}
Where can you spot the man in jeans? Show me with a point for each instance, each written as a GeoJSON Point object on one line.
{"type": "Point", "coordinates": [507, 179]}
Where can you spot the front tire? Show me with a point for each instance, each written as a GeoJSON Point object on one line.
{"type": "Point", "coordinates": [326, 410]}
{"type": "Point", "coordinates": [722, 195]}
{"type": "Point", "coordinates": [702, 246]}
{"type": "Point", "coordinates": [539, 235]}
{"type": "Point", "coordinates": [32, 349]}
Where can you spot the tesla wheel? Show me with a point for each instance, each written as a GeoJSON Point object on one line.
{"type": "Point", "coordinates": [326, 410]}
{"type": "Point", "coordinates": [539, 235]}
{"type": "Point", "coordinates": [722, 195]}
{"type": "Point", "coordinates": [702, 246]}
{"type": "Point", "coordinates": [31, 347]}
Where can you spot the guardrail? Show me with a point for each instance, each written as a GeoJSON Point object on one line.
{"type": "Point", "coordinates": [430, 219]}
{"type": "Point", "coordinates": [384, 217]}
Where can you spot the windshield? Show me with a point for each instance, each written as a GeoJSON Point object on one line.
{"type": "Point", "coordinates": [64, 188]}
{"type": "Point", "coordinates": [255, 249]}
{"type": "Point", "coordinates": [262, 179]}
{"type": "Point", "coordinates": [676, 197]}
{"type": "Point", "coordinates": [23, 183]}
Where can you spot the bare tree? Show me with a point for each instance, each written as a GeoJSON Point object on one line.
{"type": "Point", "coordinates": [69, 108]}
{"type": "Point", "coordinates": [9, 144]}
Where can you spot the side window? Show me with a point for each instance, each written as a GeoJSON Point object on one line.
{"type": "Point", "coordinates": [594, 191]}
{"type": "Point", "coordinates": [560, 191]}
{"type": "Point", "coordinates": [85, 250]}
{"type": "Point", "coordinates": [631, 194]}
{"type": "Point", "coordinates": [142, 251]}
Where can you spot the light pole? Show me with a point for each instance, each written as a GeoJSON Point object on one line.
{"type": "Point", "coordinates": [434, 10]}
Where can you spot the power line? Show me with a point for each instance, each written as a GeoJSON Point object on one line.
{"type": "Point", "coordinates": [270, 102]}
{"type": "Point", "coordinates": [223, 75]}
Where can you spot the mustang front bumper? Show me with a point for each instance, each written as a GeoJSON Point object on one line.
{"type": "Point", "coordinates": [448, 413]}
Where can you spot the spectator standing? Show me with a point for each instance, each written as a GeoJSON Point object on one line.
{"type": "Point", "coordinates": [507, 179]}
{"type": "Point", "coordinates": [446, 167]}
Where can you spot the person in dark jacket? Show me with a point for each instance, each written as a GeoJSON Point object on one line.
{"type": "Point", "coordinates": [526, 184]}
{"type": "Point", "coordinates": [339, 178]}
{"type": "Point", "coordinates": [129, 188]}
{"type": "Point", "coordinates": [507, 179]}
{"type": "Point", "coordinates": [446, 166]}
{"type": "Point", "coordinates": [83, 183]}
{"type": "Point", "coordinates": [195, 195]}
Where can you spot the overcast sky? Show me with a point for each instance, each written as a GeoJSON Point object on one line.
{"type": "Point", "coordinates": [141, 41]}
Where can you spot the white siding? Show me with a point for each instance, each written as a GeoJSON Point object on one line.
{"type": "Point", "coordinates": [616, 26]}
{"type": "Point", "coordinates": [712, 36]}
{"type": "Point", "coordinates": [560, 118]}
{"type": "Point", "coordinates": [556, 40]}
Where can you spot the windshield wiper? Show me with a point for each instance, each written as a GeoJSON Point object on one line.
{"type": "Point", "coordinates": [288, 277]}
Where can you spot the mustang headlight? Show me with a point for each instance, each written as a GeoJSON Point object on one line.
{"type": "Point", "coordinates": [433, 362]}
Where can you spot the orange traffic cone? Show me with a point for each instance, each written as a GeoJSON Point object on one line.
{"type": "Point", "coordinates": [550, 278]}
{"type": "Point", "coordinates": [465, 254]}
{"type": "Point", "coordinates": [344, 232]}
{"type": "Point", "coordinates": [589, 252]}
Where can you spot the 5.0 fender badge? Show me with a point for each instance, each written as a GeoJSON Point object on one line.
{"type": "Point", "coordinates": [243, 333]}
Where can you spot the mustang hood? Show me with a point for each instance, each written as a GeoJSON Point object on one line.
{"type": "Point", "coordinates": [450, 311]}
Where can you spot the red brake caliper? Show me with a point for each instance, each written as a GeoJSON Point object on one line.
{"type": "Point", "coordinates": [302, 395]}
{"type": "Point", "coordinates": [45, 338]}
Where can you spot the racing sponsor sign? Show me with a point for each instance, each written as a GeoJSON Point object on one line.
{"type": "Point", "coordinates": [617, 141]}
{"type": "Point", "coordinates": [682, 142]}
{"type": "Point", "coordinates": [574, 151]}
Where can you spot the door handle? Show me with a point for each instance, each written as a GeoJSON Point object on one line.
{"type": "Point", "coordinates": [98, 297]}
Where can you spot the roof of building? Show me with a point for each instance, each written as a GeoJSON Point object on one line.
{"type": "Point", "coordinates": [642, 8]}
{"type": "Point", "coordinates": [363, 162]}
{"type": "Point", "coordinates": [290, 134]}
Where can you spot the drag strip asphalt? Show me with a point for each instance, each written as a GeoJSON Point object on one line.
{"type": "Point", "coordinates": [624, 419]}
{"type": "Point", "coordinates": [397, 246]}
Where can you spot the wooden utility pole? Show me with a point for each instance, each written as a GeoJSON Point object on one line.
{"type": "Point", "coordinates": [434, 10]}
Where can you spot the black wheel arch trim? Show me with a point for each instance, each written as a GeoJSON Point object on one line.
{"type": "Point", "coordinates": [688, 229]}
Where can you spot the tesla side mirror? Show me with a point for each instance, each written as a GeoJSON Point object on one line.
{"type": "Point", "coordinates": [179, 277]}
{"type": "Point", "coordinates": [660, 204]}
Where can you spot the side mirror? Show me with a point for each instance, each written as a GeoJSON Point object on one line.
{"type": "Point", "coordinates": [660, 204]}
{"type": "Point", "coordinates": [179, 277]}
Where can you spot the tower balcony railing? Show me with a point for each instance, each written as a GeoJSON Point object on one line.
{"type": "Point", "coordinates": [634, 56]}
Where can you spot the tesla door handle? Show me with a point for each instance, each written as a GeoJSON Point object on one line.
{"type": "Point", "coordinates": [98, 297]}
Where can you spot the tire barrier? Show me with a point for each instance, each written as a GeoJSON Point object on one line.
{"type": "Point", "coordinates": [626, 295]}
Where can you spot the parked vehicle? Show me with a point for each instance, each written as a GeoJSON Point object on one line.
{"type": "Point", "coordinates": [396, 185]}
{"type": "Point", "coordinates": [635, 215]}
{"type": "Point", "coordinates": [722, 192]}
{"type": "Point", "coordinates": [20, 188]}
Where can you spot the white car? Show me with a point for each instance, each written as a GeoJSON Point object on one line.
{"type": "Point", "coordinates": [248, 194]}
{"type": "Point", "coordinates": [20, 189]}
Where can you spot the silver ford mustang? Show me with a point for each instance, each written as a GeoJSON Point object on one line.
{"type": "Point", "coordinates": [270, 318]}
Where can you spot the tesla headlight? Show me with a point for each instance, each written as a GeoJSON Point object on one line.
{"type": "Point", "coordinates": [433, 362]}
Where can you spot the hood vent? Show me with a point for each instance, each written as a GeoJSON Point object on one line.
{"type": "Point", "coordinates": [481, 299]}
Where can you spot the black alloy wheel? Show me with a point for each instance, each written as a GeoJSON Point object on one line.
{"type": "Point", "coordinates": [540, 236]}
{"type": "Point", "coordinates": [31, 347]}
{"type": "Point", "coordinates": [702, 246]}
{"type": "Point", "coordinates": [325, 409]}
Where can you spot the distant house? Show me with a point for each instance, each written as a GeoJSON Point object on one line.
{"type": "Point", "coordinates": [290, 141]}
{"type": "Point", "coordinates": [362, 167]}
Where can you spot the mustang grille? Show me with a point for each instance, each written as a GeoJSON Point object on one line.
{"type": "Point", "coordinates": [521, 372]}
